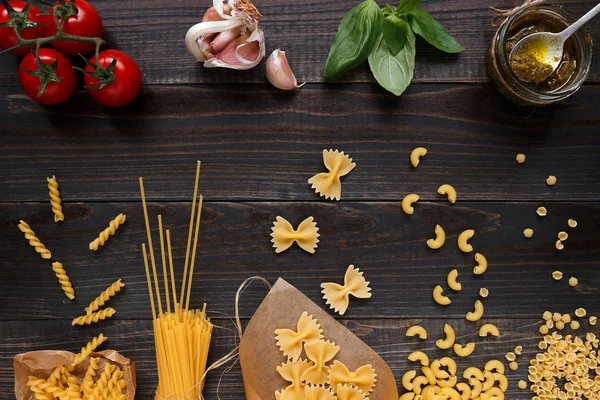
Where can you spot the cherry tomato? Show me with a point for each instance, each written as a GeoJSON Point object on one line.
{"type": "Point", "coordinates": [26, 24]}
{"type": "Point", "coordinates": [113, 85]}
{"type": "Point", "coordinates": [83, 20]}
{"type": "Point", "coordinates": [57, 66]}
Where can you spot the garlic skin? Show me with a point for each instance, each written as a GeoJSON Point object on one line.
{"type": "Point", "coordinates": [279, 73]}
{"type": "Point", "coordinates": [229, 36]}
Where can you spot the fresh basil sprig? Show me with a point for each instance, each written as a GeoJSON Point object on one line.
{"type": "Point", "coordinates": [387, 38]}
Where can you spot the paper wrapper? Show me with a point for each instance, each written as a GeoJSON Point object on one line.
{"type": "Point", "coordinates": [41, 364]}
{"type": "Point", "coordinates": [281, 308]}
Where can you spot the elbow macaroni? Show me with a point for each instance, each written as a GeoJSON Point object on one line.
{"type": "Point", "coordinates": [449, 340]}
{"type": "Point", "coordinates": [416, 154]}
{"type": "Point", "coordinates": [437, 371]}
{"type": "Point", "coordinates": [419, 356]}
{"type": "Point", "coordinates": [407, 379]}
{"type": "Point", "coordinates": [477, 312]}
{"type": "Point", "coordinates": [481, 264]}
{"type": "Point", "coordinates": [439, 297]}
{"type": "Point", "coordinates": [440, 238]}
{"type": "Point", "coordinates": [464, 351]}
{"type": "Point", "coordinates": [417, 330]}
{"type": "Point", "coordinates": [407, 203]}
{"type": "Point", "coordinates": [494, 365]}
{"type": "Point", "coordinates": [463, 241]}
{"type": "Point", "coordinates": [452, 282]}
{"type": "Point", "coordinates": [449, 191]}
{"type": "Point", "coordinates": [488, 329]}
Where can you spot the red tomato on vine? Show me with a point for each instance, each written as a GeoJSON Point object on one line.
{"type": "Point", "coordinates": [23, 17]}
{"type": "Point", "coordinates": [114, 79]}
{"type": "Point", "coordinates": [51, 80]}
{"type": "Point", "coordinates": [79, 18]}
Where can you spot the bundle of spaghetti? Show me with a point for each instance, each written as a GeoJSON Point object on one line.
{"type": "Point", "coordinates": [181, 336]}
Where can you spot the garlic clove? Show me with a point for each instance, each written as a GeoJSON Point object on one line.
{"type": "Point", "coordinates": [279, 73]}
{"type": "Point", "coordinates": [212, 15]}
{"type": "Point", "coordinates": [223, 39]}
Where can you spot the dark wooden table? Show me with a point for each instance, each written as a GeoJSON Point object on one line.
{"type": "Point", "coordinates": [258, 147]}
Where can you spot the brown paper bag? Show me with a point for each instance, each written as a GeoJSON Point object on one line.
{"type": "Point", "coordinates": [41, 364]}
{"type": "Point", "coordinates": [281, 308]}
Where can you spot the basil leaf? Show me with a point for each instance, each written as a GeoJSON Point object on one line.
{"type": "Point", "coordinates": [394, 73]}
{"type": "Point", "coordinates": [394, 32]}
{"type": "Point", "coordinates": [429, 29]}
{"type": "Point", "coordinates": [355, 38]}
{"type": "Point", "coordinates": [388, 9]}
{"type": "Point", "coordinates": [406, 6]}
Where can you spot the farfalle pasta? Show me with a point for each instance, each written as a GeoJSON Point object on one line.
{"type": "Point", "coordinates": [292, 372]}
{"type": "Point", "coordinates": [363, 378]}
{"type": "Point", "coordinates": [284, 235]}
{"type": "Point", "coordinates": [291, 342]}
{"type": "Point", "coordinates": [312, 392]}
{"type": "Point", "coordinates": [328, 184]}
{"type": "Point", "coordinates": [320, 352]}
{"type": "Point", "coordinates": [337, 296]}
{"type": "Point", "coordinates": [349, 392]}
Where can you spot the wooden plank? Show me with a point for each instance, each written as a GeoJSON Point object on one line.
{"type": "Point", "coordinates": [134, 340]}
{"type": "Point", "coordinates": [155, 39]}
{"type": "Point", "coordinates": [376, 237]}
{"type": "Point", "coordinates": [259, 144]}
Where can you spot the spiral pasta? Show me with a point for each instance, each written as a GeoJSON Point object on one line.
{"type": "Point", "coordinates": [104, 297]}
{"type": "Point", "coordinates": [41, 388]}
{"type": "Point", "coordinates": [87, 350]}
{"type": "Point", "coordinates": [109, 231]}
{"type": "Point", "coordinates": [102, 384]}
{"type": "Point", "coordinates": [94, 317]}
{"type": "Point", "coordinates": [55, 199]}
{"type": "Point", "coordinates": [87, 384]}
{"type": "Point", "coordinates": [63, 279]}
{"type": "Point", "coordinates": [34, 241]}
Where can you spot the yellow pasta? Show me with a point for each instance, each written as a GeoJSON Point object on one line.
{"type": "Point", "coordinates": [87, 383]}
{"type": "Point", "coordinates": [109, 231]}
{"type": "Point", "coordinates": [284, 235]}
{"type": "Point", "coordinates": [464, 351]}
{"type": "Point", "coordinates": [408, 201]}
{"type": "Point", "coordinates": [448, 341]}
{"type": "Point", "coordinates": [328, 184]}
{"type": "Point", "coordinates": [292, 372]}
{"type": "Point", "coordinates": [104, 296]}
{"type": "Point", "coordinates": [477, 312]}
{"type": "Point", "coordinates": [320, 352]}
{"type": "Point", "coordinates": [482, 264]}
{"type": "Point", "coordinates": [363, 378]}
{"type": "Point", "coordinates": [63, 279]}
{"type": "Point", "coordinates": [312, 392]}
{"type": "Point", "coordinates": [98, 392]}
{"type": "Point", "coordinates": [416, 154]}
{"type": "Point", "coordinates": [407, 379]}
{"type": "Point", "coordinates": [290, 342]}
{"type": "Point", "coordinates": [349, 392]}
{"type": "Point", "coordinates": [488, 329]}
{"type": "Point", "coordinates": [452, 281]}
{"type": "Point", "coordinates": [34, 241]}
{"type": "Point", "coordinates": [419, 356]}
{"type": "Point", "coordinates": [94, 317]}
{"type": "Point", "coordinates": [338, 296]}
{"type": "Point", "coordinates": [463, 240]}
{"type": "Point", "coordinates": [417, 330]}
{"type": "Point", "coordinates": [449, 191]}
{"type": "Point", "coordinates": [440, 238]}
{"type": "Point", "coordinates": [55, 199]}
{"type": "Point", "coordinates": [439, 297]}
{"type": "Point", "coordinates": [42, 389]}
{"type": "Point", "coordinates": [87, 350]}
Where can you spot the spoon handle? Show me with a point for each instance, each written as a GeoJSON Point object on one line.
{"type": "Point", "coordinates": [580, 22]}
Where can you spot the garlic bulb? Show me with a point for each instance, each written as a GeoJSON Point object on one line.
{"type": "Point", "coordinates": [229, 36]}
{"type": "Point", "coordinates": [279, 73]}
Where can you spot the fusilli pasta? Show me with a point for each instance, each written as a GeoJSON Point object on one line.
{"type": "Point", "coordinates": [55, 199]}
{"type": "Point", "coordinates": [88, 379]}
{"type": "Point", "coordinates": [91, 346]}
{"type": "Point", "coordinates": [109, 231]}
{"type": "Point", "coordinates": [63, 279]}
{"type": "Point", "coordinates": [34, 241]}
{"type": "Point", "coordinates": [94, 317]}
{"type": "Point", "coordinates": [104, 296]}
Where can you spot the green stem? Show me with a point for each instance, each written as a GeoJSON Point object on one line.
{"type": "Point", "coordinates": [59, 36]}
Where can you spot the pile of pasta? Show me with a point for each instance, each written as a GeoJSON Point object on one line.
{"type": "Point", "coordinates": [318, 377]}
{"type": "Point", "coordinates": [102, 380]}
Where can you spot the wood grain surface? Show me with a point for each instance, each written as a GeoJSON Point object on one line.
{"type": "Point", "coordinates": [153, 34]}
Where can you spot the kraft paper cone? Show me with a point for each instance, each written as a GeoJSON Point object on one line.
{"type": "Point", "coordinates": [41, 364]}
{"type": "Point", "coordinates": [260, 356]}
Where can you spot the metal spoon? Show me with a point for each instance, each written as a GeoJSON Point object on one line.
{"type": "Point", "coordinates": [546, 47]}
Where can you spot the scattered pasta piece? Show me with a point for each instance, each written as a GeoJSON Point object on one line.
{"type": "Point", "coordinates": [407, 379]}
{"type": "Point", "coordinates": [474, 372]}
{"type": "Point", "coordinates": [483, 292]}
{"type": "Point", "coordinates": [518, 350]}
{"type": "Point", "coordinates": [477, 313]}
{"type": "Point", "coordinates": [489, 329]}
{"type": "Point", "coordinates": [560, 325]}
{"type": "Point", "coordinates": [482, 264]}
{"type": "Point", "coordinates": [94, 317]}
{"type": "Point", "coordinates": [573, 281]}
{"type": "Point", "coordinates": [419, 356]}
{"type": "Point", "coordinates": [541, 211]}
{"type": "Point", "coordinates": [547, 316]}
{"type": "Point", "coordinates": [580, 312]}
{"type": "Point", "coordinates": [318, 393]}
{"type": "Point", "coordinates": [416, 154]}
{"type": "Point", "coordinates": [89, 348]}
{"type": "Point", "coordinates": [448, 341]}
{"type": "Point", "coordinates": [417, 330]}
{"type": "Point", "coordinates": [452, 281]}
{"type": "Point", "coordinates": [575, 325]}
{"type": "Point", "coordinates": [109, 231]}
{"type": "Point", "coordinates": [55, 199]}
{"type": "Point", "coordinates": [463, 241]}
{"type": "Point", "coordinates": [494, 366]}
{"type": "Point", "coordinates": [104, 296]}
{"type": "Point", "coordinates": [63, 279]}
{"type": "Point", "coordinates": [544, 330]}
{"type": "Point", "coordinates": [320, 352]}
{"type": "Point", "coordinates": [290, 342]}
{"type": "Point", "coordinates": [328, 184]}
{"type": "Point", "coordinates": [593, 320]}
{"type": "Point", "coordinates": [510, 356]}
{"type": "Point", "coordinates": [464, 351]}
{"type": "Point", "coordinates": [557, 275]}
{"type": "Point", "coordinates": [407, 203]}
{"type": "Point", "coordinates": [563, 235]}
{"type": "Point", "coordinates": [551, 180]}
{"type": "Point", "coordinates": [292, 372]}
{"type": "Point", "coordinates": [566, 318]}
{"type": "Point", "coordinates": [559, 245]}
{"type": "Point", "coordinates": [284, 235]}
{"type": "Point", "coordinates": [522, 384]}
{"type": "Point", "coordinates": [440, 238]}
{"type": "Point", "coordinates": [449, 191]}
{"type": "Point", "coordinates": [34, 241]}
{"type": "Point", "coordinates": [439, 297]}
{"type": "Point", "coordinates": [338, 296]}
{"type": "Point", "coordinates": [363, 378]}
{"type": "Point", "coordinates": [520, 158]}
{"type": "Point", "coordinates": [438, 372]}
{"type": "Point", "coordinates": [349, 392]}
{"type": "Point", "coordinates": [572, 223]}
{"type": "Point", "coordinates": [528, 233]}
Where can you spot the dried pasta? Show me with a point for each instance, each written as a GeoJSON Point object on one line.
{"type": "Point", "coordinates": [292, 372]}
{"type": "Point", "coordinates": [87, 350]}
{"type": "Point", "coordinates": [338, 296]}
{"type": "Point", "coordinates": [363, 378]}
{"type": "Point", "coordinates": [63, 279]}
{"type": "Point", "coordinates": [109, 231]}
{"type": "Point", "coordinates": [328, 184]}
{"type": "Point", "coordinates": [312, 392]}
{"type": "Point", "coordinates": [87, 383]}
{"type": "Point", "coordinates": [284, 235]}
{"type": "Point", "coordinates": [55, 199]}
{"type": "Point", "coordinates": [320, 352]}
{"type": "Point", "coordinates": [104, 296]}
{"type": "Point", "coordinates": [290, 342]}
{"type": "Point", "coordinates": [94, 317]}
{"type": "Point", "coordinates": [349, 392]}
{"type": "Point", "coordinates": [34, 241]}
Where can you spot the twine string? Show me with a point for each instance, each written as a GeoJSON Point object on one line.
{"type": "Point", "coordinates": [503, 14]}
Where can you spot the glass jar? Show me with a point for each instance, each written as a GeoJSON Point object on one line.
{"type": "Point", "coordinates": [554, 19]}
